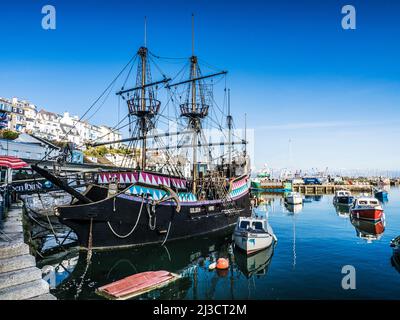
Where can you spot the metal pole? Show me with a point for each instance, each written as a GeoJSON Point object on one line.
{"type": "Point", "coordinates": [229, 133]}
{"type": "Point", "coordinates": [195, 120]}
{"type": "Point", "coordinates": [143, 102]}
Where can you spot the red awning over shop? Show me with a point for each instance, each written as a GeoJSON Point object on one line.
{"type": "Point", "coordinates": [12, 162]}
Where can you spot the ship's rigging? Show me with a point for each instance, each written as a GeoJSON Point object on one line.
{"type": "Point", "coordinates": [162, 171]}
{"type": "Point", "coordinates": [189, 109]}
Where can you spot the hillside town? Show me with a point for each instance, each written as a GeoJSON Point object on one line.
{"type": "Point", "coordinates": [24, 117]}
{"type": "Point", "coordinates": [30, 134]}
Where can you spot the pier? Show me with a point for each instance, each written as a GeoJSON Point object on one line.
{"type": "Point", "coordinates": [329, 188]}
{"type": "Point", "coordinates": [20, 279]}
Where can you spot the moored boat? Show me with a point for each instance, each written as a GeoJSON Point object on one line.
{"type": "Point", "coordinates": [367, 208]}
{"type": "Point", "coordinates": [271, 186]}
{"type": "Point", "coordinates": [253, 234]}
{"type": "Point", "coordinates": [167, 196]}
{"type": "Point", "coordinates": [395, 244]}
{"type": "Point", "coordinates": [264, 183]}
{"type": "Point", "coordinates": [343, 197]}
{"type": "Point", "coordinates": [381, 194]}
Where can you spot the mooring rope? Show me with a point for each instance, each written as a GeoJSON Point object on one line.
{"type": "Point", "coordinates": [166, 237]}
{"type": "Point", "coordinates": [134, 227]}
{"type": "Point", "coordinates": [88, 258]}
{"type": "Point", "coordinates": [47, 214]}
{"type": "Point", "coordinates": [90, 241]}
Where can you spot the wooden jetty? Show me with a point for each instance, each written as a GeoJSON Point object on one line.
{"type": "Point", "coordinates": [329, 188]}
{"type": "Point", "coordinates": [20, 279]}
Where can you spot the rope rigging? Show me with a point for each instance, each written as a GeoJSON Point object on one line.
{"type": "Point", "coordinates": [90, 108]}
{"type": "Point", "coordinates": [134, 227]}
{"type": "Point", "coordinates": [176, 95]}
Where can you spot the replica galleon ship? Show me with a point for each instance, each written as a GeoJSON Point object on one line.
{"type": "Point", "coordinates": [155, 204]}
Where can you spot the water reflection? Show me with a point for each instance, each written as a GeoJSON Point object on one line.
{"type": "Point", "coordinates": [58, 268]}
{"type": "Point", "coordinates": [293, 208]}
{"type": "Point", "coordinates": [256, 264]}
{"type": "Point", "coordinates": [318, 198]}
{"type": "Point", "coordinates": [342, 210]}
{"type": "Point", "coordinates": [308, 199]}
{"type": "Point", "coordinates": [190, 258]}
{"type": "Point", "coordinates": [369, 230]}
{"type": "Point", "coordinates": [257, 276]}
{"type": "Point", "coordinates": [267, 201]}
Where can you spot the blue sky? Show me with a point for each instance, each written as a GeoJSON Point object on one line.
{"type": "Point", "coordinates": [299, 76]}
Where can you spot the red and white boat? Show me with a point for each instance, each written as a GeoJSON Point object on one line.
{"type": "Point", "coordinates": [367, 208]}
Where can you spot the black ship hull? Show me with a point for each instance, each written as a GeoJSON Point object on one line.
{"type": "Point", "coordinates": [125, 220]}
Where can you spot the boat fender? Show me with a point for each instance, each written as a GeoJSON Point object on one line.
{"type": "Point", "coordinates": [212, 266]}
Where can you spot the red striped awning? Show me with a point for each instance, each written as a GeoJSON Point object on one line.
{"type": "Point", "coordinates": [12, 162]}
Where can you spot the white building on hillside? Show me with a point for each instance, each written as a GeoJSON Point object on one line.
{"type": "Point", "coordinates": [12, 115]}
{"type": "Point", "coordinates": [22, 116]}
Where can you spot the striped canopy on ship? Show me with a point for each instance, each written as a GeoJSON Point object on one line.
{"type": "Point", "coordinates": [12, 162]}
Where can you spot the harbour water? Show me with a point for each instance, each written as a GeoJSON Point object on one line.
{"type": "Point", "coordinates": [314, 243]}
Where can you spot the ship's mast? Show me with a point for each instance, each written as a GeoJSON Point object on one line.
{"type": "Point", "coordinates": [195, 108]}
{"type": "Point", "coordinates": [143, 105]}
{"type": "Point", "coordinates": [195, 123]}
{"type": "Point", "coordinates": [229, 122]}
{"type": "Point", "coordinates": [245, 134]}
{"type": "Point", "coordinates": [143, 57]}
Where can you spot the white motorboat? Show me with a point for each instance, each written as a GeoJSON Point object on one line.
{"type": "Point", "coordinates": [294, 198]}
{"type": "Point", "coordinates": [253, 234]}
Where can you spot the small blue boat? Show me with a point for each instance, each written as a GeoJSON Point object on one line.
{"type": "Point", "coordinates": [381, 194]}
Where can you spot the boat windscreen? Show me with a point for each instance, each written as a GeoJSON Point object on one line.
{"type": "Point", "coordinates": [244, 224]}
{"type": "Point", "coordinates": [257, 225]}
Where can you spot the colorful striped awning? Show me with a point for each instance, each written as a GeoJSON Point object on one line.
{"type": "Point", "coordinates": [12, 162]}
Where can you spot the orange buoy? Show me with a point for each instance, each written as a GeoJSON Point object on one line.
{"type": "Point", "coordinates": [222, 264]}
